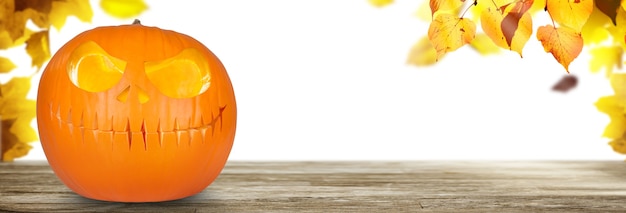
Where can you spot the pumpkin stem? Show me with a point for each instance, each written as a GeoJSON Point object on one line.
{"type": "Point", "coordinates": [136, 21]}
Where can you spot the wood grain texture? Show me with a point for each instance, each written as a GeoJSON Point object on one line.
{"type": "Point", "coordinates": [422, 186]}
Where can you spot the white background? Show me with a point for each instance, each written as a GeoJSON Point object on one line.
{"type": "Point", "coordinates": [328, 80]}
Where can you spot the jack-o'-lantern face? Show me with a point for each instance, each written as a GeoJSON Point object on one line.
{"type": "Point", "coordinates": [133, 113]}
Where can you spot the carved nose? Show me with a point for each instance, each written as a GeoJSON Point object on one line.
{"type": "Point", "coordinates": [134, 93]}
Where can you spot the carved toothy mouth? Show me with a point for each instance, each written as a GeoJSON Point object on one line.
{"type": "Point", "coordinates": [178, 134]}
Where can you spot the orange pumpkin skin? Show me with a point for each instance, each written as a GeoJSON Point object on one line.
{"type": "Point", "coordinates": [112, 131]}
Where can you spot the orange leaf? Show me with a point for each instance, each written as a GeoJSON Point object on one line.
{"type": "Point", "coordinates": [570, 13]}
{"type": "Point", "coordinates": [510, 28]}
{"type": "Point", "coordinates": [445, 5]}
{"type": "Point", "coordinates": [448, 32]}
{"type": "Point", "coordinates": [564, 43]}
{"type": "Point", "coordinates": [519, 6]}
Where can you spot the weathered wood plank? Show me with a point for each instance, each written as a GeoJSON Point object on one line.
{"type": "Point", "coordinates": [423, 186]}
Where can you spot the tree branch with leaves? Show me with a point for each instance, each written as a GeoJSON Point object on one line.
{"type": "Point", "coordinates": [574, 25]}
{"type": "Point", "coordinates": [16, 110]}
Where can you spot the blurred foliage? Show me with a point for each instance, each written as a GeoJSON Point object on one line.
{"type": "Point", "coordinates": [599, 26]}
{"type": "Point", "coordinates": [16, 111]}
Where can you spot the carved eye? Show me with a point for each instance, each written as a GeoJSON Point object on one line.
{"type": "Point", "coordinates": [93, 69]}
{"type": "Point", "coordinates": [183, 76]}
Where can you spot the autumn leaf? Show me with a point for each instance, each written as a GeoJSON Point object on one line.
{"type": "Point", "coordinates": [21, 127]}
{"type": "Point", "coordinates": [81, 9]}
{"type": "Point", "coordinates": [445, 6]}
{"type": "Point", "coordinates": [130, 8]}
{"type": "Point", "coordinates": [510, 22]}
{"type": "Point", "coordinates": [38, 47]}
{"type": "Point", "coordinates": [566, 84]}
{"type": "Point", "coordinates": [16, 113]}
{"type": "Point", "coordinates": [615, 107]}
{"type": "Point", "coordinates": [422, 53]}
{"type": "Point", "coordinates": [618, 84]}
{"type": "Point", "coordinates": [517, 7]}
{"type": "Point", "coordinates": [607, 57]}
{"type": "Point", "coordinates": [508, 29]}
{"type": "Point", "coordinates": [596, 29]}
{"type": "Point", "coordinates": [13, 150]}
{"type": "Point", "coordinates": [376, 3]}
{"type": "Point", "coordinates": [619, 31]}
{"type": "Point", "coordinates": [618, 145]}
{"type": "Point", "coordinates": [448, 32]}
{"type": "Point", "coordinates": [611, 106]}
{"type": "Point", "coordinates": [564, 43]}
{"type": "Point", "coordinates": [570, 13]}
{"type": "Point", "coordinates": [423, 11]}
{"type": "Point", "coordinates": [14, 15]}
{"type": "Point", "coordinates": [538, 5]}
{"type": "Point", "coordinates": [609, 7]}
{"type": "Point", "coordinates": [6, 65]}
{"type": "Point", "coordinates": [13, 98]}
{"type": "Point", "coordinates": [484, 45]}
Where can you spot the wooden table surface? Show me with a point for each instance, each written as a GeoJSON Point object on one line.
{"type": "Point", "coordinates": [420, 186]}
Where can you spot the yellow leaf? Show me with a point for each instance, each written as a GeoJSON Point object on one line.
{"type": "Point", "coordinates": [22, 129]}
{"type": "Point", "coordinates": [132, 8]}
{"type": "Point", "coordinates": [16, 113]}
{"type": "Point", "coordinates": [422, 53]}
{"type": "Point", "coordinates": [11, 148]}
{"type": "Point", "coordinates": [484, 45]}
{"type": "Point", "coordinates": [38, 48]}
{"type": "Point", "coordinates": [508, 29]}
{"type": "Point", "coordinates": [618, 84]}
{"type": "Point", "coordinates": [475, 11]}
{"type": "Point", "coordinates": [62, 9]}
{"type": "Point", "coordinates": [618, 145]}
{"type": "Point", "coordinates": [570, 13]}
{"type": "Point", "coordinates": [448, 32]}
{"type": "Point", "coordinates": [619, 30]}
{"type": "Point", "coordinates": [6, 65]}
{"type": "Point", "coordinates": [606, 57]}
{"type": "Point", "coordinates": [376, 3]}
{"type": "Point", "coordinates": [17, 87]}
{"type": "Point", "coordinates": [538, 5]}
{"type": "Point", "coordinates": [13, 29]}
{"type": "Point", "coordinates": [5, 40]}
{"type": "Point", "coordinates": [24, 38]}
{"type": "Point", "coordinates": [564, 43]}
{"type": "Point", "coordinates": [12, 24]}
{"type": "Point", "coordinates": [36, 11]}
{"type": "Point", "coordinates": [610, 106]}
{"type": "Point", "coordinates": [595, 29]}
{"type": "Point", "coordinates": [448, 6]}
{"type": "Point", "coordinates": [423, 12]}
{"type": "Point", "coordinates": [13, 108]}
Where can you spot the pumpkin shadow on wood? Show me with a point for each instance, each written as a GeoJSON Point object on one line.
{"type": "Point", "coordinates": [192, 203]}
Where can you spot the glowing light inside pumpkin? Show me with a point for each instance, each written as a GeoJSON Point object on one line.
{"type": "Point", "coordinates": [183, 76]}
{"type": "Point", "coordinates": [93, 69]}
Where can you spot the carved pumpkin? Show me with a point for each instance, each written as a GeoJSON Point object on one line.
{"type": "Point", "coordinates": [135, 114]}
